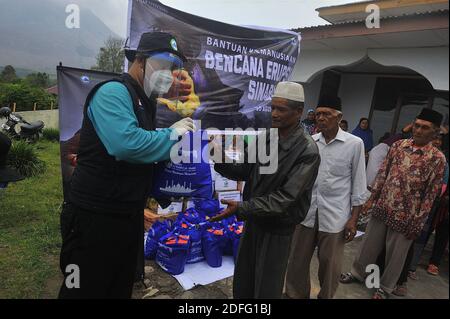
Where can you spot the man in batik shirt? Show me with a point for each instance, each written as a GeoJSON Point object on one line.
{"type": "Point", "coordinates": [402, 197]}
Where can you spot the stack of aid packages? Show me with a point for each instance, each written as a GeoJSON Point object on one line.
{"type": "Point", "coordinates": [191, 238]}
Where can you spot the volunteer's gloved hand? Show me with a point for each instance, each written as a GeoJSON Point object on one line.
{"type": "Point", "coordinates": [184, 126]}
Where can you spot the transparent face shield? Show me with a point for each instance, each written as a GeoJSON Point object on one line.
{"type": "Point", "coordinates": [166, 80]}
{"type": "Point", "coordinates": [162, 76]}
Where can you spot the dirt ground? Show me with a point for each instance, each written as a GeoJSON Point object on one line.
{"type": "Point", "coordinates": [160, 285]}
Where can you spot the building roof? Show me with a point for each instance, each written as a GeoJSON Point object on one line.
{"type": "Point", "coordinates": [52, 90]}
{"type": "Point", "coordinates": [357, 11]}
{"type": "Point", "coordinates": [390, 19]}
{"type": "Point", "coordinates": [416, 30]}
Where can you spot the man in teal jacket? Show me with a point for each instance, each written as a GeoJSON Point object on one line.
{"type": "Point", "coordinates": [102, 222]}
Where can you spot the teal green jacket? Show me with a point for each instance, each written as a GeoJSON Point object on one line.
{"type": "Point", "coordinates": [112, 115]}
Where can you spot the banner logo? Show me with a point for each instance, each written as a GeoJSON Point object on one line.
{"type": "Point", "coordinates": [174, 45]}
{"type": "Point", "coordinates": [85, 79]}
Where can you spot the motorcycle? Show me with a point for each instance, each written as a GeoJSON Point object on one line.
{"type": "Point", "coordinates": [30, 132]}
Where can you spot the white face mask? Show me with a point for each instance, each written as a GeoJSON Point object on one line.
{"type": "Point", "coordinates": [157, 82]}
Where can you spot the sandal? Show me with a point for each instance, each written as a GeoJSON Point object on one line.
{"type": "Point", "coordinates": [347, 278]}
{"type": "Point", "coordinates": [380, 294]}
{"type": "Point", "coordinates": [400, 290]}
{"type": "Point", "coordinates": [412, 275]}
{"type": "Point", "coordinates": [433, 270]}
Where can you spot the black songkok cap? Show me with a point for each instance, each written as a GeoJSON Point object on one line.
{"type": "Point", "coordinates": [431, 116]}
{"type": "Point", "coordinates": [330, 101]}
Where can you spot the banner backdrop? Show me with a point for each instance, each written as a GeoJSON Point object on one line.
{"type": "Point", "coordinates": [234, 69]}
{"type": "Point", "coordinates": [73, 87]}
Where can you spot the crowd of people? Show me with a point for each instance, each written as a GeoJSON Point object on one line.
{"type": "Point", "coordinates": [321, 190]}
{"type": "Point", "coordinates": [418, 187]}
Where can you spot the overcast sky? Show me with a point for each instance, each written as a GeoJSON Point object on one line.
{"type": "Point", "coordinates": [286, 14]}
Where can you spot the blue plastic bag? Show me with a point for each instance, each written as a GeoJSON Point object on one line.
{"type": "Point", "coordinates": [227, 222]}
{"type": "Point", "coordinates": [211, 243]}
{"type": "Point", "coordinates": [155, 233]}
{"type": "Point", "coordinates": [192, 223]}
{"type": "Point", "coordinates": [210, 207]}
{"type": "Point", "coordinates": [192, 179]}
{"type": "Point", "coordinates": [195, 253]}
{"type": "Point", "coordinates": [172, 253]}
{"type": "Point", "coordinates": [233, 232]}
{"type": "Point", "coordinates": [236, 238]}
{"type": "Point", "coordinates": [191, 216]}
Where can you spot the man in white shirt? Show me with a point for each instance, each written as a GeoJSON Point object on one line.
{"type": "Point", "coordinates": [377, 156]}
{"type": "Point", "coordinates": [339, 192]}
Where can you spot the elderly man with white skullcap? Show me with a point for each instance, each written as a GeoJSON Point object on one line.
{"type": "Point", "coordinates": [273, 203]}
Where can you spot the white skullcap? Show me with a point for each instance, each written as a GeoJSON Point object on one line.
{"type": "Point", "coordinates": [290, 91]}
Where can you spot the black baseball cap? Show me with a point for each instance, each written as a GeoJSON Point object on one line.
{"type": "Point", "coordinates": [152, 42]}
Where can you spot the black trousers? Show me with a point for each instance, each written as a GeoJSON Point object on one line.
{"type": "Point", "coordinates": [105, 248]}
{"type": "Point", "coordinates": [261, 264]}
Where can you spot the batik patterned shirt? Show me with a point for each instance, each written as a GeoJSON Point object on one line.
{"type": "Point", "coordinates": [406, 186]}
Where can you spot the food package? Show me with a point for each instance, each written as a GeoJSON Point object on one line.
{"type": "Point", "coordinates": [233, 196]}
{"type": "Point", "coordinates": [224, 184]}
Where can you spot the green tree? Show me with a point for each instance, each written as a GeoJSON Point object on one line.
{"type": "Point", "coordinates": [112, 56]}
{"type": "Point", "coordinates": [8, 74]}
{"type": "Point", "coordinates": [39, 79]}
{"type": "Point", "coordinates": [25, 96]}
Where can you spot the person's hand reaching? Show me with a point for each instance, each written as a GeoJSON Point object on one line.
{"type": "Point", "coordinates": [228, 212]}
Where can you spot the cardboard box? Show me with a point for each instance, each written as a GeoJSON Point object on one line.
{"type": "Point", "coordinates": [232, 154]}
{"type": "Point", "coordinates": [241, 186]}
{"type": "Point", "coordinates": [234, 196]}
{"type": "Point", "coordinates": [151, 217]}
{"type": "Point", "coordinates": [223, 184]}
{"type": "Point", "coordinates": [213, 172]}
{"type": "Point", "coordinates": [174, 208]}
{"type": "Point", "coordinates": [189, 204]}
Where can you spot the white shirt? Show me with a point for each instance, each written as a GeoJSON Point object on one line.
{"type": "Point", "coordinates": [340, 184]}
{"type": "Point", "coordinates": [376, 158]}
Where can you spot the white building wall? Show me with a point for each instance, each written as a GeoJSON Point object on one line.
{"type": "Point", "coordinates": [314, 62]}
{"type": "Point", "coordinates": [432, 63]}
{"type": "Point", "coordinates": [356, 93]}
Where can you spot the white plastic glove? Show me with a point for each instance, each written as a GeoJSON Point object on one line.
{"type": "Point", "coordinates": [184, 126]}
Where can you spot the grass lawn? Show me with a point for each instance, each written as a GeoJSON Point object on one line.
{"type": "Point", "coordinates": [29, 230]}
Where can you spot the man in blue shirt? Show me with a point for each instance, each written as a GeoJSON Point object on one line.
{"type": "Point", "coordinates": [102, 222]}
